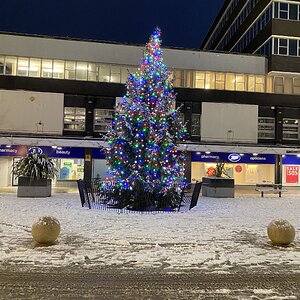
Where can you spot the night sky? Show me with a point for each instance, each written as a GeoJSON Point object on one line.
{"type": "Point", "coordinates": [184, 23]}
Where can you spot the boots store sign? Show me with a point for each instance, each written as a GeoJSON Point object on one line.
{"type": "Point", "coordinates": [245, 158]}
{"type": "Point", "coordinates": [55, 152]}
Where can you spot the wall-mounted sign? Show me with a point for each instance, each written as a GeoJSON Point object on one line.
{"type": "Point", "coordinates": [35, 150]}
{"type": "Point", "coordinates": [234, 157]}
{"type": "Point", "coordinates": [291, 174]}
{"type": "Point", "coordinates": [247, 158]}
{"type": "Point", "coordinates": [238, 168]}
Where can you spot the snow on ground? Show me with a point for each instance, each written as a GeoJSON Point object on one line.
{"type": "Point", "coordinates": [219, 235]}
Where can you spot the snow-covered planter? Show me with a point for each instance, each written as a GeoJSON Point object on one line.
{"type": "Point", "coordinates": [281, 232]}
{"type": "Point", "coordinates": [45, 230]}
{"type": "Point", "coordinates": [34, 172]}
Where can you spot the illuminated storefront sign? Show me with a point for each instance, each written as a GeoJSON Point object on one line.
{"type": "Point", "coordinates": [291, 174]}
{"type": "Point", "coordinates": [246, 158]}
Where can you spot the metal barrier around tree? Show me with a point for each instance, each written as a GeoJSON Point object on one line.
{"type": "Point", "coordinates": [97, 194]}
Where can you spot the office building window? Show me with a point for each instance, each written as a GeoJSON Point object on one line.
{"type": "Point", "coordinates": [92, 72]}
{"type": "Point", "coordinates": [293, 47]}
{"type": "Point", "coordinates": [70, 70]}
{"type": "Point", "coordinates": [209, 80]}
{"type": "Point", "coordinates": [196, 124]}
{"type": "Point", "coordinates": [47, 68]}
{"type": "Point", "coordinates": [266, 128]}
{"type": "Point", "coordinates": [115, 74]}
{"type": "Point", "coordinates": [58, 69]}
{"type": "Point", "coordinates": [199, 79]}
{"type": "Point", "coordinates": [102, 119]}
{"type": "Point", "coordinates": [220, 81]}
{"type": "Point", "coordinates": [74, 118]}
{"type": "Point", "coordinates": [10, 65]}
{"type": "Point", "coordinates": [35, 67]}
{"type": "Point", "coordinates": [23, 66]}
{"type": "Point", "coordinates": [283, 46]}
{"type": "Point", "coordinates": [278, 85]}
{"type": "Point", "coordinates": [81, 71]}
{"type": "Point", "coordinates": [240, 82]}
{"type": "Point", "coordinates": [2, 62]}
{"type": "Point", "coordinates": [104, 73]}
{"type": "Point", "coordinates": [125, 73]}
{"type": "Point", "coordinates": [291, 129]}
{"type": "Point", "coordinates": [293, 12]}
{"type": "Point", "coordinates": [230, 82]}
{"type": "Point", "coordinates": [296, 86]}
{"type": "Point", "coordinates": [259, 84]}
{"type": "Point", "coordinates": [283, 10]}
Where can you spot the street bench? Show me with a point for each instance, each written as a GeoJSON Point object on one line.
{"type": "Point", "coordinates": [269, 188]}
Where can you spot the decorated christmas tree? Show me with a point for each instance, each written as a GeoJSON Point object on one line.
{"type": "Point", "coordinates": [143, 159]}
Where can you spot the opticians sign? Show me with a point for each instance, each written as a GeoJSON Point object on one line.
{"type": "Point", "coordinates": [291, 174]}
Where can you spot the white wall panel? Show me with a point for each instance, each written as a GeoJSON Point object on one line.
{"type": "Point", "coordinates": [228, 122]}
{"type": "Point", "coordinates": [31, 112]}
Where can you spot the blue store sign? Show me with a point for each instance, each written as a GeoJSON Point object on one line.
{"type": "Point", "coordinates": [291, 160]}
{"type": "Point", "coordinates": [246, 158]}
{"type": "Point", "coordinates": [64, 152]}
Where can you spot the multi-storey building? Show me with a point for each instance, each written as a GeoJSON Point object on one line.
{"type": "Point", "coordinates": [59, 94]}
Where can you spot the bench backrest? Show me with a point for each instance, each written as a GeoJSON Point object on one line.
{"type": "Point", "coordinates": [269, 185]}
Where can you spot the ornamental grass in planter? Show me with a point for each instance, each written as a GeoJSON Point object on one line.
{"type": "Point", "coordinates": [34, 172]}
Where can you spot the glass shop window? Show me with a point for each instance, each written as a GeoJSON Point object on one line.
{"type": "Point", "coordinates": [70, 169]}
{"type": "Point", "coordinates": [74, 118]}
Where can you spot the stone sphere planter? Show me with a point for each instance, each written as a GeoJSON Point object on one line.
{"type": "Point", "coordinates": [281, 232]}
{"type": "Point", "coordinates": [45, 230]}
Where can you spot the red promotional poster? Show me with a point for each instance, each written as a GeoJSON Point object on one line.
{"type": "Point", "coordinates": [291, 173]}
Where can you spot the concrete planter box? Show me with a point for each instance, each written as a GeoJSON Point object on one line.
{"type": "Point", "coordinates": [218, 187]}
{"type": "Point", "coordinates": [32, 188]}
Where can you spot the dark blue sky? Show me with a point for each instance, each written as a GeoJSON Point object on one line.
{"type": "Point", "coordinates": [184, 23]}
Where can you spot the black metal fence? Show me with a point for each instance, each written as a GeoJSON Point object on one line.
{"type": "Point", "coordinates": [94, 195]}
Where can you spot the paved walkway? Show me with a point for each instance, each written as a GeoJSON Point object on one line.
{"type": "Point", "coordinates": [120, 284]}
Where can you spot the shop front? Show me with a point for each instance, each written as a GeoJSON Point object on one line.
{"type": "Point", "coordinates": [69, 161]}
{"type": "Point", "coordinates": [245, 168]}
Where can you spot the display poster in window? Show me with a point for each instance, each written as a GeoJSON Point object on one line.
{"type": "Point", "coordinates": [291, 174]}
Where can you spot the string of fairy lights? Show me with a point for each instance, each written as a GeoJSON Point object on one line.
{"type": "Point", "coordinates": [144, 133]}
